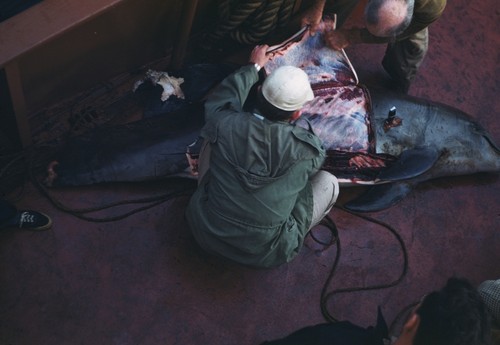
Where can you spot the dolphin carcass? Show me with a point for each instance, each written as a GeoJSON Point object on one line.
{"type": "Point", "coordinates": [388, 141]}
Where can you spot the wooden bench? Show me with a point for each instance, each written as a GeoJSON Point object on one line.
{"type": "Point", "coordinates": [32, 28]}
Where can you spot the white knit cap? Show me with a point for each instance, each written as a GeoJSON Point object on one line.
{"type": "Point", "coordinates": [287, 88]}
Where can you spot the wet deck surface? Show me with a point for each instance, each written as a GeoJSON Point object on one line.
{"type": "Point", "coordinates": [142, 279]}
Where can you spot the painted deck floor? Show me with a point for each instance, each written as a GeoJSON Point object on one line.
{"type": "Point", "coordinates": [142, 279]}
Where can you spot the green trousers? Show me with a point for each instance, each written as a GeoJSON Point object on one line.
{"type": "Point", "coordinates": [403, 58]}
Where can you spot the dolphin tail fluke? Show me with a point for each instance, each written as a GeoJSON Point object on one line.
{"type": "Point", "coordinates": [380, 197]}
{"type": "Point", "coordinates": [410, 164]}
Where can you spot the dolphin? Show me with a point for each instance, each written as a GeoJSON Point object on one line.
{"type": "Point", "coordinates": [390, 142]}
{"type": "Point", "coordinates": [431, 140]}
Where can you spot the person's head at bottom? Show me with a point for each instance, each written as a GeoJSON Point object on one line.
{"type": "Point", "coordinates": [454, 315]}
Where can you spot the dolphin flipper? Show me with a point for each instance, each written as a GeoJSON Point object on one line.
{"type": "Point", "coordinates": [410, 164]}
{"type": "Point", "coordinates": [380, 197]}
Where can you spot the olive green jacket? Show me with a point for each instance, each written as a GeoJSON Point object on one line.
{"type": "Point", "coordinates": [254, 205]}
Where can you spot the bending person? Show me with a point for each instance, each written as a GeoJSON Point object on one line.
{"type": "Point", "coordinates": [402, 24]}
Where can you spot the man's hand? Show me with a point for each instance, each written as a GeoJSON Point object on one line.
{"type": "Point", "coordinates": [313, 16]}
{"type": "Point", "coordinates": [342, 38]}
{"type": "Point", "coordinates": [365, 161]}
{"type": "Point", "coordinates": [259, 56]}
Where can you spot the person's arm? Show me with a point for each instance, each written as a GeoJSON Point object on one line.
{"type": "Point", "coordinates": [233, 91]}
{"type": "Point", "coordinates": [342, 38]}
{"type": "Point", "coordinates": [313, 15]}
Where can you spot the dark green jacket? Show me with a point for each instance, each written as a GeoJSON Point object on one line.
{"type": "Point", "coordinates": [254, 205]}
{"type": "Point", "coordinates": [425, 13]}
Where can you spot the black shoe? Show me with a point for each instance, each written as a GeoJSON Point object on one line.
{"type": "Point", "coordinates": [31, 220]}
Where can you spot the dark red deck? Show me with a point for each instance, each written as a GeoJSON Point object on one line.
{"type": "Point", "coordinates": [142, 280]}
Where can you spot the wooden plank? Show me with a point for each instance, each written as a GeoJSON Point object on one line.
{"type": "Point", "coordinates": [18, 102]}
{"type": "Point", "coordinates": [43, 22]}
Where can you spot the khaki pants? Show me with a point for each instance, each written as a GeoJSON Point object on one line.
{"type": "Point", "coordinates": [325, 188]}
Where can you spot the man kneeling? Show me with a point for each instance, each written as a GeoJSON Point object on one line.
{"type": "Point", "coordinates": [260, 188]}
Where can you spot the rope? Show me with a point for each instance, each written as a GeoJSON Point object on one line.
{"type": "Point", "coordinates": [325, 294]}
{"type": "Point", "coordinates": [15, 166]}
{"type": "Point", "coordinates": [80, 213]}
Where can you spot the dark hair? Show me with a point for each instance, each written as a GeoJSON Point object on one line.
{"type": "Point", "coordinates": [269, 111]}
{"type": "Point", "coordinates": [455, 315]}
{"type": "Point", "coordinates": [372, 15]}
